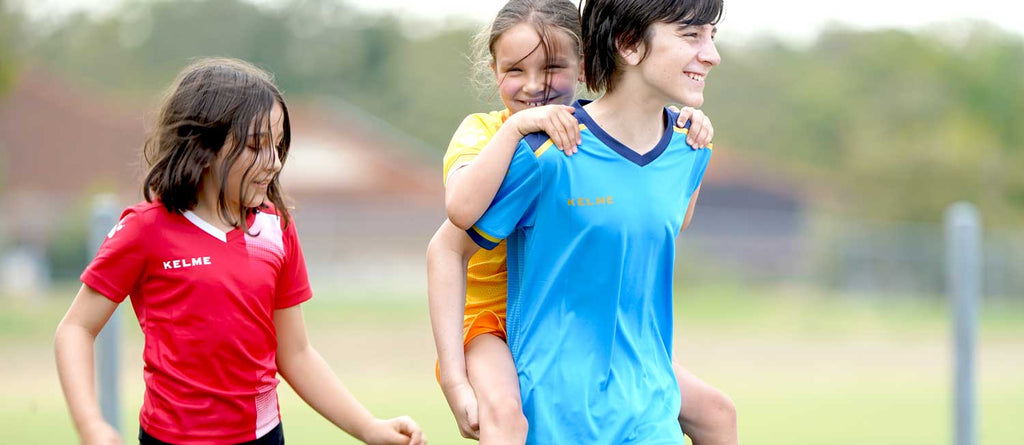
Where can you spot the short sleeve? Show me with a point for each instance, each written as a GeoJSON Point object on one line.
{"type": "Point", "coordinates": [513, 205]}
{"type": "Point", "coordinates": [473, 134]}
{"type": "Point", "coordinates": [293, 279]}
{"type": "Point", "coordinates": [121, 260]}
{"type": "Point", "coordinates": [700, 165]}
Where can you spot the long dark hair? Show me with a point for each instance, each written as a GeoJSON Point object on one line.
{"type": "Point", "coordinates": [608, 25]}
{"type": "Point", "coordinates": [543, 15]}
{"type": "Point", "coordinates": [211, 100]}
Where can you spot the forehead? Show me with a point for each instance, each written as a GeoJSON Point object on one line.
{"type": "Point", "coordinates": [523, 40]}
{"type": "Point", "coordinates": [274, 118]}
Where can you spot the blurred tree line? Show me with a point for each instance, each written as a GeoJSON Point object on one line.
{"type": "Point", "coordinates": [9, 33]}
{"type": "Point", "coordinates": [894, 124]}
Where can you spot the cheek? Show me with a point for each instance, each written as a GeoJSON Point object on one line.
{"type": "Point", "coordinates": [564, 82]}
{"type": "Point", "coordinates": [509, 88]}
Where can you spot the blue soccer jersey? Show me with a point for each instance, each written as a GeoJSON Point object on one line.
{"type": "Point", "coordinates": [591, 250]}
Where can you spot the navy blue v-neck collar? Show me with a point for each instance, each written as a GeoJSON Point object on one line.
{"type": "Point", "coordinates": [619, 147]}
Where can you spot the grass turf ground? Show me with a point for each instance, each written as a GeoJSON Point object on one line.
{"type": "Point", "coordinates": [803, 368]}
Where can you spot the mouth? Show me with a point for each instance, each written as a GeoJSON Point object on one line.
{"type": "Point", "coordinates": [263, 183]}
{"type": "Point", "coordinates": [538, 102]}
{"type": "Point", "coordinates": [696, 77]}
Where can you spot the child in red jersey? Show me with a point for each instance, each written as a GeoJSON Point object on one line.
{"type": "Point", "coordinates": [215, 272]}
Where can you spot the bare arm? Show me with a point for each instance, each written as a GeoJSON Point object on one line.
{"type": "Point", "coordinates": [313, 380]}
{"type": "Point", "coordinates": [447, 257]}
{"type": "Point", "coordinates": [471, 188]}
{"type": "Point", "coordinates": [74, 345]}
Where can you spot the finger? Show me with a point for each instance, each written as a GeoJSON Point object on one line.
{"type": "Point", "coordinates": [417, 438]}
{"type": "Point", "coordinates": [406, 425]}
{"type": "Point", "coordinates": [559, 130]}
{"type": "Point", "coordinates": [572, 132]}
{"type": "Point", "coordinates": [472, 416]}
{"type": "Point", "coordinates": [705, 135]}
{"type": "Point", "coordinates": [673, 108]}
{"type": "Point", "coordinates": [685, 114]}
{"type": "Point", "coordinates": [711, 132]}
{"type": "Point", "coordinates": [696, 125]}
{"type": "Point", "coordinates": [700, 139]}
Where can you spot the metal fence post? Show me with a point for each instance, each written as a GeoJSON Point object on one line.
{"type": "Point", "coordinates": [105, 213]}
{"type": "Point", "coordinates": [963, 278]}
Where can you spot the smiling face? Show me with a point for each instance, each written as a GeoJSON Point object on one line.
{"type": "Point", "coordinates": [259, 162]}
{"type": "Point", "coordinates": [524, 70]}
{"type": "Point", "coordinates": [676, 60]}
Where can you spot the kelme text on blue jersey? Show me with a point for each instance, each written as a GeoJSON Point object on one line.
{"type": "Point", "coordinates": [583, 202]}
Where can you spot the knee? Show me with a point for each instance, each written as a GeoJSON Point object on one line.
{"type": "Point", "coordinates": [723, 410]}
{"type": "Point", "coordinates": [505, 413]}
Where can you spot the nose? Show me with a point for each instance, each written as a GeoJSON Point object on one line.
{"type": "Point", "coordinates": [534, 82]}
{"type": "Point", "coordinates": [709, 53]}
{"type": "Point", "coordinates": [275, 164]}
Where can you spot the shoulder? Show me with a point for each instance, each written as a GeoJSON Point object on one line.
{"type": "Point", "coordinates": [474, 132]}
{"type": "Point", "coordinates": [486, 121]}
{"type": "Point", "coordinates": [268, 211]}
{"type": "Point", "coordinates": [673, 117]}
{"type": "Point", "coordinates": [146, 213]}
{"type": "Point", "coordinates": [536, 140]}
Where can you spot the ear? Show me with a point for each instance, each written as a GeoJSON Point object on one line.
{"type": "Point", "coordinates": [631, 55]}
{"type": "Point", "coordinates": [494, 69]}
{"type": "Point", "coordinates": [582, 78]}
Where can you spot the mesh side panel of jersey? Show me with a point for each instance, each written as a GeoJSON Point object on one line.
{"type": "Point", "coordinates": [515, 245]}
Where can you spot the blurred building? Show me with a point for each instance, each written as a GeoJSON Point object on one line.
{"type": "Point", "coordinates": [368, 197]}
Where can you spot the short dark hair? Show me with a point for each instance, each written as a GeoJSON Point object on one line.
{"type": "Point", "coordinates": [608, 25]}
{"type": "Point", "coordinates": [210, 100]}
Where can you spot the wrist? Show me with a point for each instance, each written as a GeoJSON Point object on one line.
{"type": "Point", "coordinates": [452, 376]}
{"type": "Point", "coordinates": [449, 383]}
{"type": "Point", "coordinates": [361, 430]}
{"type": "Point", "coordinates": [515, 122]}
{"type": "Point", "coordinates": [89, 422]}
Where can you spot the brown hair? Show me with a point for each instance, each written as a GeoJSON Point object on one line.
{"type": "Point", "coordinates": [608, 25]}
{"type": "Point", "coordinates": [543, 15]}
{"type": "Point", "coordinates": [211, 100]}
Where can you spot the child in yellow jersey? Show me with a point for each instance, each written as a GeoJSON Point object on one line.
{"type": "Point", "coordinates": [532, 48]}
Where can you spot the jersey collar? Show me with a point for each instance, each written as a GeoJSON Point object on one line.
{"type": "Point", "coordinates": [620, 148]}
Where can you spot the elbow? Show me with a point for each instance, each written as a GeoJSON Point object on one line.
{"type": "Point", "coordinates": [459, 215]}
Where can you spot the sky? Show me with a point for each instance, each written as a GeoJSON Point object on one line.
{"type": "Point", "coordinates": [795, 20]}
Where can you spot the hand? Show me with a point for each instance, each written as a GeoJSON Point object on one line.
{"type": "Point", "coordinates": [398, 431]}
{"type": "Point", "coordinates": [701, 132]}
{"type": "Point", "coordinates": [463, 404]}
{"type": "Point", "coordinates": [100, 433]}
{"type": "Point", "coordinates": [555, 120]}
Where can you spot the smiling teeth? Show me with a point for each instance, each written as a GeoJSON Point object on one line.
{"type": "Point", "coordinates": [694, 76]}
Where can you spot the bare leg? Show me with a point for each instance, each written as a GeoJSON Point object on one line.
{"type": "Point", "coordinates": [707, 415]}
{"type": "Point", "coordinates": [492, 373]}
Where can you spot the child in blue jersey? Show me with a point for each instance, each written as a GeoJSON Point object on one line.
{"type": "Point", "coordinates": [530, 61]}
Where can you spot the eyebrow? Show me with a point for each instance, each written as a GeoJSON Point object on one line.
{"type": "Point", "coordinates": [256, 137]}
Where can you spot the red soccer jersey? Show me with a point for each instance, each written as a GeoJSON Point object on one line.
{"type": "Point", "coordinates": [205, 301]}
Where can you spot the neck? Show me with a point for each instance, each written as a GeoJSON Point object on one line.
{"type": "Point", "coordinates": [635, 120]}
{"type": "Point", "coordinates": [206, 206]}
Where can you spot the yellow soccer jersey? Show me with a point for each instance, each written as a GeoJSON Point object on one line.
{"type": "Point", "coordinates": [486, 277]}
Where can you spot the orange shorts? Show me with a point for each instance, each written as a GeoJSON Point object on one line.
{"type": "Point", "coordinates": [484, 322]}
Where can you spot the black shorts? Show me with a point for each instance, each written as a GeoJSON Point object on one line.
{"type": "Point", "coordinates": [274, 437]}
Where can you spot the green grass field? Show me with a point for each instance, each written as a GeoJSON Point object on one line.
{"type": "Point", "coordinates": [803, 368]}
